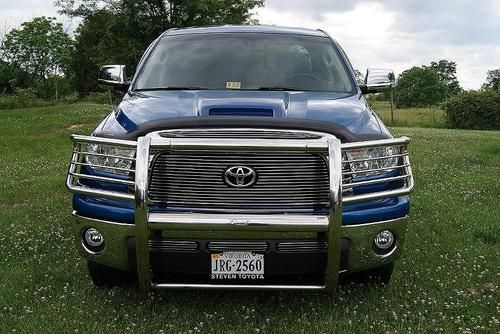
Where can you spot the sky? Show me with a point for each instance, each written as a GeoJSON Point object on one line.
{"type": "Point", "coordinates": [395, 34]}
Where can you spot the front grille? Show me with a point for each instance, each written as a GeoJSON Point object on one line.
{"type": "Point", "coordinates": [285, 182]}
{"type": "Point", "coordinates": [303, 246]}
{"type": "Point", "coordinates": [239, 134]}
{"type": "Point", "coordinates": [262, 246]}
{"type": "Point", "coordinates": [159, 245]}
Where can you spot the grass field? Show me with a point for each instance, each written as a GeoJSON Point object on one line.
{"type": "Point", "coordinates": [410, 117]}
{"type": "Point", "coordinates": [446, 282]}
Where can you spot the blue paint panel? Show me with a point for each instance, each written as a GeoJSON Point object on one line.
{"type": "Point", "coordinates": [106, 209]}
{"type": "Point", "coordinates": [375, 211]}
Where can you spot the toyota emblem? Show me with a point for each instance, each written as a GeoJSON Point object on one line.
{"type": "Point", "coordinates": [240, 176]}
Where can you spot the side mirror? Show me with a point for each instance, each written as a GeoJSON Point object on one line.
{"type": "Point", "coordinates": [113, 76]}
{"type": "Point", "coordinates": [378, 80]}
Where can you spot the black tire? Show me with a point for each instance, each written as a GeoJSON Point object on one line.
{"type": "Point", "coordinates": [103, 276]}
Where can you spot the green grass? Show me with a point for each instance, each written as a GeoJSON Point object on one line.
{"type": "Point", "coordinates": [445, 282]}
{"type": "Point", "coordinates": [409, 117]}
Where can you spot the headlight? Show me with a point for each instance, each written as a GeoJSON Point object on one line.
{"type": "Point", "coordinates": [103, 157]}
{"type": "Point", "coordinates": [365, 162]}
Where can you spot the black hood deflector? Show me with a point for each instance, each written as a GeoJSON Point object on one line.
{"type": "Point", "coordinates": [339, 131]}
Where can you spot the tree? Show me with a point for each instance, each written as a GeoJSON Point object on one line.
{"type": "Point", "coordinates": [447, 73]}
{"type": "Point", "coordinates": [39, 47]}
{"type": "Point", "coordinates": [493, 80]}
{"type": "Point", "coordinates": [12, 78]}
{"type": "Point", "coordinates": [419, 86]}
{"type": "Point", "coordinates": [360, 78]}
{"type": "Point", "coordinates": [119, 31]}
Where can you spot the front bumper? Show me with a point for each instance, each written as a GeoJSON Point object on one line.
{"type": "Point", "coordinates": [356, 251]}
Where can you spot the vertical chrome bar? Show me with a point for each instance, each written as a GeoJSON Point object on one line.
{"type": "Point", "coordinates": [72, 167]}
{"type": "Point", "coordinates": [141, 212]}
{"type": "Point", "coordinates": [335, 219]}
{"type": "Point", "coordinates": [410, 183]}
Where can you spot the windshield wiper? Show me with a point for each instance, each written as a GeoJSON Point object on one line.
{"type": "Point", "coordinates": [171, 88]}
{"type": "Point", "coordinates": [282, 88]}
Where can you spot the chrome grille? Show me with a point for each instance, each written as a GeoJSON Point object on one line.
{"type": "Point", "coordinates": [239, 134]}
{"type": "Point", "coordinates": [189, 246]}
{"type": "Point", "coordinates": [173, 245]}
{"type": "Point", "coordinates": [291, 182]}
{"type": "Point", "coordinates": [302, 246]}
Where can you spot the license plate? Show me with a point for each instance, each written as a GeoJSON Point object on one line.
{"type": "Point", "coordinates": [237, 265]}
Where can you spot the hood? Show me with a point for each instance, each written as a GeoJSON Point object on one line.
{"type": "Point", "coordinates": [349, 111]}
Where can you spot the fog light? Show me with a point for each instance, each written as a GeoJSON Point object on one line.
{"type": "Point", "coordinates": [93, 240]}
{"type": "Point", "coordinates": [384, 240]}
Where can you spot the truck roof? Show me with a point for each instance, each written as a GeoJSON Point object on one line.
{"type": "Point", "coordinates": [269, 29]}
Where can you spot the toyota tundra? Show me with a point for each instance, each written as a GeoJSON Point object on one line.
{"type": "Point", "coordinates": [240, 157]}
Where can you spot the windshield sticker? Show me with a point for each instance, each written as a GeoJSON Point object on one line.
{"type": "Point", "coordinates": [233, 85]}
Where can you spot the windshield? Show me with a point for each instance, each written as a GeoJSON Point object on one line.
{"type": "Point", "coordinates": [245, 61]}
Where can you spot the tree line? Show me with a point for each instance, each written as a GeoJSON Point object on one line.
{"type": "Point", "coordinates": [41, 56]}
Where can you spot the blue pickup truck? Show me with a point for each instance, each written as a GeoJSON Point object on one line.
{"type": "Point", "coordinates": [241, 157]}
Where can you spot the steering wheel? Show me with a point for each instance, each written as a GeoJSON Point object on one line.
{"type": "Point", "coordinates": [305, 76]}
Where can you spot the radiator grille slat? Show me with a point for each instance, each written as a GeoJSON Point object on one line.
{"type": "Point", "coordinates": [286, 181]}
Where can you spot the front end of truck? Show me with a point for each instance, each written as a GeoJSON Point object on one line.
{"type": "Point", "coordinates": [315, 207]}
{"type": "Point", "coordinates": [240, 184]}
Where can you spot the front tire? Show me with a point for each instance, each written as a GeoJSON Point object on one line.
{"type": "Point", "coordinates": [107, 277]}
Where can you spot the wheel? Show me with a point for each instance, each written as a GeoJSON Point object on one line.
{"type": "Point", "coordinates": [103, 276]}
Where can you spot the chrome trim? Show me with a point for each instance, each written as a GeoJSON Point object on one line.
{"type": "Point", "coordinates": [377, 169]}
{"type": "Point", "coordinates": [382, 256]}
{"type": "Point", "coordinates": [103, 141]}
{"type": "Point", "coordinates": [105, 167]}
{"type": "Point", "coordinates": [141, 213]}
{"type": "Point", "coordinates": [85, 248]}
{"type": "Point", "coordinates": [375, 181]}
{"type": "Point", "coordinates": [105, 155]}
{"type": "Point", "coordinates": [380, 142]}
{"type": "Point", "coordinates": [250, 133]}
{"type": "Point", "coordinates": [318, 135]}
{"type": "Point", "coordinates": [335, 214]}
{"type": "Point", "coordinates": [403, 166]}
{"type": "Point", "coordinates": [227, 144]}
{"type": "Point", "coordinates": [235, 286]}
{"type": "Point", "coordinates": [100, 193]}
{"type": "Point", "coordinates": [76, 215]}
{"type": "Point", "coordinates": [230, 222]}
{"type": "Point", "coordinates": [100, 178]}
{"type": "Point", "coordinates": [72, 180]}
{"type": "Point", "coordinates": [376, 158]}
{"type": "Point", "coordinates": [375, 223]}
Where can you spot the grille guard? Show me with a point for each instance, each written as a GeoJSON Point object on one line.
{"type": "Point", "coordinates": [137, 185]}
